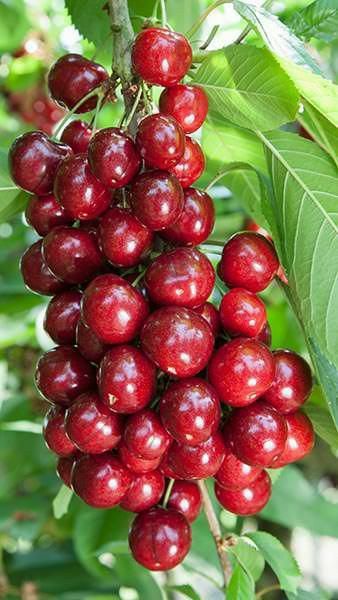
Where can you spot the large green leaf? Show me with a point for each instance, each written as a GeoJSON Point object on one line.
{"type": "Point", "coordinates": [250, 559]}
{"type": "Point", "coordinates": [91, 19]}
{"type": "Point", "coordinates": [241, 586]}
{"type": "Point", "coordinates": [246, 86]}
{"type": "Point", "coordinates": [322, 131]}
{"type": "Point", "coordinates": [319, 19]}
{"type": "Point", "coordinates": [12, 200]}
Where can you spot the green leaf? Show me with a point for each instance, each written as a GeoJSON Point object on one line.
{"type": "Point", "coordinates": [319, 19]}
{"type": "Point", "coordinates": [250, 559]}
{"type": "Point", "coordinates": [245, 85]}
{"type": "Point", "coordinates": [279, 558]}
{"type": "Point", "coordinates": [14, 24]}
{"type": "Point", "coordinates": [240, 586]}
{"type": "Point", "coordinates": [322, 131]}
{"type": "Point", "coordinates": [12, 199]}
{"type": "Point", "coordinates": [316, 594]}
{"type": "Point", "coordinates": [317, 411]}
{"type": "Point", "coordinates": [91, 19]}
{"type": "Point", "coordinates": [185, 590]}
{"type": "Point", "coordinates": [133, 575]}
{"type": "Point", "coordinates": [61, 501]}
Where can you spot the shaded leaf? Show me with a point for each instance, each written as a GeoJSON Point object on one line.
{"type": "Point", "coordinates": [319, 19]}
{"type": "Point", "coordinates": [250, 559]}
{"type": "Point", "coordinates": [322, 131]}
{"type": "Point", "coordinates": [240, 586]}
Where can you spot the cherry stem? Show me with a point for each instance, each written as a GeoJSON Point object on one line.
{"type": "Point", "coordinates": [138, 278]}
{"type": "Point", "coordinates": [133, 108]}
{"type": "Point", "coordinates": [195, 27]}
{"type": "Point", "coordinates": [168, 492]}
{"type": "Point", "coordinates": [97, 110]}
{"type": "Point", "coordinates": [164, 20]}
{"type": "Point", "coordinates": [62, 123]}
{"type": "Point", "coordinates": [270, 588]}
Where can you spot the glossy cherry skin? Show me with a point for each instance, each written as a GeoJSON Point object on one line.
{"type": "Point", "coordinates": [233, 474]}
{"type": "Point", "coordinates": [145, 491]}
{"type": "Point", "coordinates": [248, 261]}
{"type": "Point", "coordinates": [160, 141]}
{"type": "Point", "coordinates": [182, 277]}
{"type": "Point", "coordinates": [248, 500]}
{"type": "Point", "coordinates": [89, 344]}
{"type": "Point", "coordinates": [186, 498]}
{"type": "Point", "coordinates": [72, 77]}
{"type": "Point", "coordinates": [177, 340]}
{"type": "Point", "coordinates": [190, 411]}
{"type": "Point", "coordinates": [64, 468]}
{"type": "Point", "coordinates": [113, 157]}
{"type": "Point", "coordinates": [292, 384]}
{"type": "Point", "coordinates": [242, 313]}
{"type": "Point", "coordinates": [36, 274]}
{"type": "Point", "coordinates": [250, 225]}
{"type": "Point", "coordinates": [210, 313]}
{"type": "Point", "coordinates": [62, 374]}
{"type": "Point", "coordinates": [113, 309]}
{"type": "Point", "coordinates": [100, 480]}
{"type": "Point", "coordinates": [265, 335]}
{"type": "Point", "coordinates": [44, 212]}
{"type": "Point", "coordinates": [145, 436]}
{"type": "Point", "coordinates": [299, 442]}
{"type": "Point", "coordinates": [167, 470]}
{"type": "Point", "coordinates": [188, 104]}
{"type": "Point", "coordinates": [257, 434]}
{"type": "Point", "coordinates": [160, 538]}
{"type": "Point", "coordinates": [80, 193]}
{"type": "Point", "coordinates": [157, 199]}
{"type": "Point", "coordinates": [124, 240]}
{"type": "Point", "coordinates": [135, 463]}
{"type": "Point", "coordinates": [62, 316]}
{"type": "Point", "coordinates": [191, 165]}
{"type": "Point", "coordinates": [127, 379]}
{"type": "Point", "coordinates": [196, 221]}
{"type": "Point", "coordinates": [241, 371]}
{"type": "Point", "coordinates": [77, 136]}
{"type": "Point", "coordinates": [54, 432]}
{"type": "Point", "coordinates": [197, 462]}
{"type": "Point", "coordinates": [160, 56]}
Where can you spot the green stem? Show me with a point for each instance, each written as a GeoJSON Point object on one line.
{"type": "Point", "coordinates": [134, 107]}
{"type": "Point", "coordinates": [164, 20]}
{"type": "Point", "coordinates": [97, 110]}
{"type": "Point", "coordinates": [168, 492]}
{"type": "Point", "coordinates": [62, 123]}
{"type": "Point", "coordinates": [138, 278]}
{"type": "Point", "coordinates": [195, 27]}
{"type": "Point", "coordinates": [270, 588]}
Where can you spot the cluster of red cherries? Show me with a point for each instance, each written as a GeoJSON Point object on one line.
{"type": "Point", "coordinates": [151, 385]}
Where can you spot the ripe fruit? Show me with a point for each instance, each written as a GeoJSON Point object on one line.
{"type": "Point", "coordinates": [265, 335]}
{"type": "Point", "coordinates": [233, 474]}
{"type": "Point", "coordinates": [62, 316]}
{"type": "Point", "coordinates": [196, 221]}
{"type": "Point", "coordinates": [157, 199]}
{"type": "Point", "coordinates": [54, 432]}
{"type": "Point", "coordinates": [160, 56]}
{"type": "Point", "coordinates": [124, 240]}
{"type": "Point", "coordinates": [100, 480]}
{"type": "Point", "coordinates": [248, 261]}
{"type": "Point", "coordinates": [248, 500]}
{"type": "Point", "coordinates": [145, 491]}
{"type": "Point", "coordinates": [242, 313]}
{"type": "Point", "coordinates": [113, 157]}
{"type": "Point", "coordinates": [197, 462]}
{"type": "Point", "coordinates": [191, 166]}
{"type": "Point", "coordinates": [188, 104]}
{"type": "Point", "coordinates": [160, 141]}
{"type": "Point", "coordinates": [145, 436]}
{"type": "Point", "coordinates": [36, 274]}
{"type": "Point", "coordinates": [135, 463]}
{"type": "Point", "coordinates": [185, 497]}
{"type": "Point", "coordinates": [300, 439]}
{"type": "Point", "coordinates": [159, 539]}
{"type": "Point", "coordinates": [44, 212]}
{"type": "Point", "coordinates": [77, 135]}
{"type": "Point", "coordinates": [89, 344]}
{"type": "Point", "coordinates": [241, 371]}
{"type": "Point", "coordinates": [64, 468]}
{"type": "Point", "coordinates": [211, 315]}
{"type": "Point", "coordinates": [292, 384]}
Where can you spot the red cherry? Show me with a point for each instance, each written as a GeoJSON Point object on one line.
{"type": "Point", "coordinates": [197, 462]}
{"type": "Point", "coordinates": [188, 104]}
{"type": "Point", "coordinates": [210, 313]}
{"type": "Point", "coordinates": [299, 442]}
{"type": "Point", "coordinates": [64, 468]}
{"type": "Point", "coordinates": [36, 274]}
{"type": "Point", "coordinates": [160, 140]}
{"type": "Point", "coordinates": [113, 309]}
{"type": "Point", "coordinates": [250, 225]}
{"type": "Point", "coordinates": [77, 135]}
{"type": "Point", "coordinates": [167, 470]}
{"type": "Point", "coordinates": [124, 240]}
{"type": "Point", "coordinates": [265, 335]}
{"type": "Point", "coordinates": [62, 316]}
{"type": "Point", "coordinates": [160, 539]}
{"type": "Point", "coordinates": [241, 371]}
{"type": "Point", "coordinates": [157, 199]}
{"type": "Point", "coordinates": [145, 491]}
{"type": "Point", "coordinates": [100, 480]}
{"type": "Point", "coordinates": [185, 497]}
{"type": "Point", "coordinates": [257, 433]}
{"type": "Point", "coordinates": [33, 161]}
{"type": "Point", "coordinates": [242, 313]}
{"type": "Point", "coordinates": [89, 344]}
{"type": "Point", "coordinates": [160, 56]}
{"type": "Point", "coordinates": [54, 432]}
{"type": "Point", "coordinates": [177, 340]}
{"type": "Point", "coordinates": [135, 463]}
{"type": "Point", "coordinates": [62, 374]}
{"type": "Point", "coordinates": [248, 500]}
{"type": "Point", "coordinates": [127, 379]}
{"type": "Point", "coordinates": [233, 473]}
{"type": "Point", "coordinates": [182, 277]}
{"type": "Point", "coordinates": [145, 435]}
{"type": "Point", "coordinates": [72, 77]}
{"type": "Point", "coordinates": [196, 221]}
{"type": "Point", "coordinates": [44, 212]}
{"type": "Point", "coordinates": [191, 165]}
{"type": "Point", "coordinates": [190, 411]}
{"type": "Point", "coordinates": [113, 157]}
{"type": "Point", "coordinates": [292, 384]}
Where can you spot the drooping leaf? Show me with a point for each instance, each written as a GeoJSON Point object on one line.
{"type": "Point", "coordinates": [249, 558]}
{"type": "Point", "coordinates": [12, 199]}
{"type": "Point", "coordinates": [61, 501]}
{"type": "Point", "coordinates": [241, 586]}
{"type": "Point", "coordinates": [321, 130]}
{"type": "Point", "coordinates": [319, 19]}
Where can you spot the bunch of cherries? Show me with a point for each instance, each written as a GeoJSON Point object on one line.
{"type": "Point", "coordinates": [151, 383]}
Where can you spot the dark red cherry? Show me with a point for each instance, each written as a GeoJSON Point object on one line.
{"type": "Point", "coordinates": [250, 225]}
{"type": "Point", "coordinates": [248, 261]}
{"type": "Point", "coordinates": [145, 436]}
{"type": "Point", "coordinates": [62, 316]}
{"type": "Point", "coordinates": [72, 77]}
{"type": "Point", "coordinates": [80, 193]}
{"type": "Point", "coordinates": [257, 433]}
{"type": "Point", "coordinates": [196, 221]}
{"type": "Point", "coordinates": [188, 104]}
{"type": "Point", "coordinates": [197, 462]}
{"type": "Point", "coordinates": [242, 313]}
{"type": "Point", "coordinates": [292, 384]}
{"type": "Point", "coordinates": [62, 374]}
{"type": "Point", "coordinates": [191, 165]}
{"type": "Point", "coordinates": [33, 161]}
{"type": "Point", "coordinates": [157, 199]}
{"type": "Point", "coordinates": [64, 468]}
{"type": "Point", "coordinates": [113, 157]}
{"type": "Point", "coordinates": [113, 309]}
{"type": "Point", "coordinates": [160, 140]}
{"type": "Point", "coordinates": [210, 313]}
{"type": "Point", "coordinates": [89, 344]}
{"type": "Point", "coordinates": [177, 340]}
{"type": "Point", "coordinates": [248, 500]}
{"type": "Point", "coordinates": [167, 470]}
{"type": "Point", "coordinates": [100, 480]}
{"type": "Point", "coordinates": [299, 442]}
{"type": "Point", "coordinates": [265, 335]}
{"type": "Point", "coordinates": [185, 497]}
{"type": "Point", "coordinates": [36, 274]}
{"type": "Point", "coordinates": [241, 371]}
{"type": "Point", "coordinates": [124, 240]}
{"type": "Point", "coordinates": [145, 491]}
{"type": "Point", "coordinates": [160, 56]}
{"type": "Point", "coordinates": [44, 212]}
{"type": "Point", "coordinates": [72, 254]}
{"type": "Point", "coordinates": [160, 538]}
{"type": "Point", "coordinates": [190, 411]}
{"type": "Point", "coordinates": [135, 463]}
{"type": "Point", "coordinates": [182, 277]}
{"type": "Point", "coordinates": [77, 135]}
{"type": "Point", "coordinates": [55, 434]}
{"type": "Point", "coordinates": [233, 473]}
